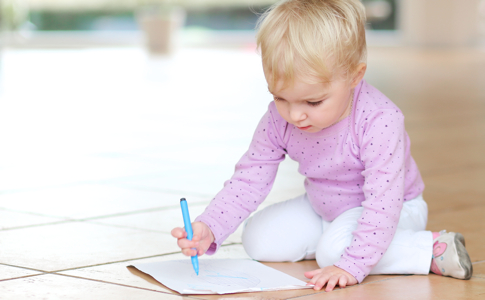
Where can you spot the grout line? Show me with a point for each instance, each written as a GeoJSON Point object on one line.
{"type": "Point", "coordinates": [382, 280]}
{"type": "Point", "coordinates": [347, 287]}
{"type": "Point", "coordinates": [141, 211]}
{"type": "Point", "coordinates": [160, 208]}
{"type": "Point", "coordinates": [165, 191]}
{"type": "Point", "coordinates": [128, 227]}
{"type": "Point", "coordinates": [70, 220]}
{"type": "Point", "coordinates": [457, 209]}
{"type": "Point", "coordinates": [126, 260]}
{"type": "Point", "coordinates": [454, 209]}
{"type": "Point", "coordinates": [120, 284]}
{"type": "Point", "coordinates": [114, 262]}
{"type": "Point", "coordinates": [37, 225]}
{"type": "Point", "coordinates": [26, 276]}
{"type": "Point", "coordinates": [90, 266]}
{"type": "Point", "coordinates": [110, 181]}
{"type": "Point", "coordinates": [126, 285]}
{"type": "Point", "coordinates": [31, 213]}
{"type": "Point", "coordinates": [26, 268]}
{"type": "Point", "coordinates": [113, 283]}
{"type": "Point", "coordinates": [77, 183]}
{"type": "Point", "coordinates": [439, 172]}
{"type": "Point", "coordinates": [82, 221]}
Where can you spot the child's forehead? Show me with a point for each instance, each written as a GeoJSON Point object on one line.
{"type": "Point", "coordinates": [283, 82]}
{"type": "Point", "coordinates": [299, 84]}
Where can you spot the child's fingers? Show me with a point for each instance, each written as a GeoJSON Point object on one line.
{"type": "Point", "coordinates": [311, 274]}
{"type": "Point", "coordinates": [332, 282]}
{"type": "Point", "coordinates": [189, 252]}
{"type": "Point", "coordinates": [319, 282]}
{"type": "Point", "coordinates": [343, 281]}
{"type": "Point", "coordinates": [201, 241]}
{"type": "Point", "coordinates": [178, 232]}
{"type": "Point", "coordinates": [185, 243]}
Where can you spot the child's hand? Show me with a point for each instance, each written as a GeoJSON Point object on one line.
{"type": "Point", "coordinates": [202, 239]}
{"type": "Point", "coordinates": [331, 276]}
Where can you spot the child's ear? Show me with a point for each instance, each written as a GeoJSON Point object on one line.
{"type": "Point", "coordinates": [359, 74]}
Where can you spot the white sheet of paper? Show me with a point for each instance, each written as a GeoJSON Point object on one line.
{"type": "Point", "coordinates": [219, 276]}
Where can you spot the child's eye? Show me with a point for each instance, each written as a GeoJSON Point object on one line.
{"type": "Point", "coordinates": [315, 103]}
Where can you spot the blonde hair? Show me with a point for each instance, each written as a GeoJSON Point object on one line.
{"type": "Point", "coordinates": [312, 39]}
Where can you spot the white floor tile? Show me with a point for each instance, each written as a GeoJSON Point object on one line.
{"type": "Point", "coordinates": [12, 219]}
{"type": "Point", "coordinates": [88, 200]}
{"type": "Point", "coordinates": [163, 221]}
{"type": "Point", "coordinates": [35, 170]}
{"type": "Point", "coordinates": [78, 244]}
{"type": "Point", "coordinates": [55, 287]}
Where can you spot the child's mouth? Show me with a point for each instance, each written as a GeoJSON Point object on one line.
{"type": "Point", "coordinates": [305, 128]}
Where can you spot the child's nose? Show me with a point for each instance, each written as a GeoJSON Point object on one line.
{"type": "Point", "coordinates": [297, 115]}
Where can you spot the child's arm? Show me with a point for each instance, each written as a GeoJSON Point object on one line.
{"type": "Point", "coordinates": [384, 152]}
{"type": "Point", "coordinates": [251, 182]}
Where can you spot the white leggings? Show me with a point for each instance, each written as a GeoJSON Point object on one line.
{"type": "Point", "coordinates": [293, 231]}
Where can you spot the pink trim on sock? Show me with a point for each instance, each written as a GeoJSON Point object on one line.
{"type": "Point", "coordinates": [434, 268]}
{"type": "Point", "coordinates": [435, 235]}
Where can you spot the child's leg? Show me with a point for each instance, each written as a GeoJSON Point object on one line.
{"type": "Point", "coordinates": [285, 231]}
{"type": "Point", "coordinates": [337, 235]}
{"type": "Point", "coordinates": [410, 250]}
{"type": "Point", "coordinates": [412, 247]}
{"type": "Point", "coordinates": [445, 252]}
{"type": "Point", "coordinates": [409, 253]}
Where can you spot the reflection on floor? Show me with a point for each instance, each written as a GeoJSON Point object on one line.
{"type": "Point", "coordinates": [98, 145]}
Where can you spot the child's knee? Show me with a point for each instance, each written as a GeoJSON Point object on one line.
{"type": "Point", "coordinates": [285, 231]}
{"type": "Point", "coordinates": [266, 244]}
{"type": "Point", "coordinates": [253, 240]}
{"type": "Point", "coordinates": [257, 243]}
{"type": "Point", "coordinates": [264, 249]}
{"type": "Point", "coordinates": [271, 242]}
{"type": "Point", "coordinates": [329, 251]}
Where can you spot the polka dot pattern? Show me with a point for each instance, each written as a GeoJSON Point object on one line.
{"type": "Point", "coordinates": [365, 164]}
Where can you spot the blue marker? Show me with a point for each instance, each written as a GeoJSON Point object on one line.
{"type": "Point", "coordinates": [190, 234]}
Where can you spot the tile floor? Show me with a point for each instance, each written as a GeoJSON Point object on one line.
{"type": "Point", "coordinates": [98, 145]}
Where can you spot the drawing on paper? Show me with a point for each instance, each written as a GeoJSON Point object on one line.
{"type": "Point", "coordinates": [228, 278]}
{"type": "Point", "coordinates": [224, 277]}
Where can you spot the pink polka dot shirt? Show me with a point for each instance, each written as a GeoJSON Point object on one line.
{"type": "Point", "coordinates": [363, 160]}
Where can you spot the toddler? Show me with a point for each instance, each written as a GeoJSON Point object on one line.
{"type": "Point", "coordinates": [363, 211]}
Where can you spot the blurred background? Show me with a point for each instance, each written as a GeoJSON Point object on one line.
{"type": "Point", "coordinates": [128, 22]}
{"type": "Point", "coordinates": [104, 83]}
{"type": "Point", "coordinates": [125, 22]}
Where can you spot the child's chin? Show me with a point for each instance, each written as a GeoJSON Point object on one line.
{"type": "Point", "coordinates": [313, 129]}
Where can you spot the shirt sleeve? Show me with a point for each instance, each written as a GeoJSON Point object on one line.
{"type": "Point", "coordinates": [382, 140]}
{"type": "Point", "coordinates": [251, 182]}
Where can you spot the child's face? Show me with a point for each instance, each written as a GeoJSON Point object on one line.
{"type": "Point", "coordinates": [313, 107]}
